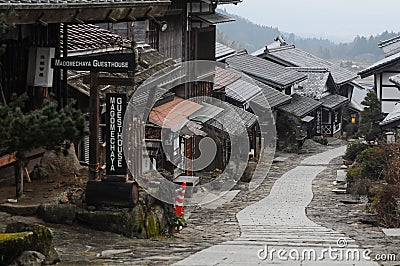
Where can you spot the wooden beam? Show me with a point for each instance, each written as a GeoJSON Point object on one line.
{"type": "Point", "coordinates": [121, 194]}
{"type": "Point", "coordinates": [116, 81]}
{"type": "Point", "coordinates": [94, 103]}
{"type": "Point", "coordinates": [25, 14]}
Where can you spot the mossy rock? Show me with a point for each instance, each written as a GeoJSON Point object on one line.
{"type": "Point", "coordinates": [138, 217]}
{"type": "Point", "coordinates": [161, 217]}
{"type": "Point", "coordinates": [130, 224]}
{"type": "Point", "coordinates": [12, 245]}
{"type": "Point", "coordinates": [41, 239]}
{"type": "Point", "coordinates": [152, 225]}
{"type": "Point", "coordinates": [106, 221]}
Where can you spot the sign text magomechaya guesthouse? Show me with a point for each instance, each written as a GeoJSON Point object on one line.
{"type": "Point", "coordinates": [118, 63]}
{"type": "Point", "coordinates": [115, 111]}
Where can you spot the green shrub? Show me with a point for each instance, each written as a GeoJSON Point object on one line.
{"type": "Point", "coordinates": [373, 163]}
{"type": "Point", "coordinates": [353, 174]}
{"type": "Point", "coordinates": [386, 205]}
{"type": "Point", "coordinates": [354, 149]}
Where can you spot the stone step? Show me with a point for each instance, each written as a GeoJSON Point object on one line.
{"type": "Point", "coordinates": [286, 244]}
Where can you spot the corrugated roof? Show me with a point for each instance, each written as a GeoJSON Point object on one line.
{"type": "Point", "coordinates": [265, 71]}
{"type": "Point", "coordinates": [242, 91]}
{"type": "Point", "coordinates": [172, 114]}
{"type": "Point", "coordinates": [227, 120]}
{"type": "Point", "coordinates": [222, 52]}
{"type": "Point", "coordinates": [333, 101]}
{"type": "Point", "coordinates": [300, 106]}
{"type": "Point", "coordinates": [380, 65]}
{"type": "Point", "coordinates": [274, 97]}
{"type": "Point", "coordinates": [395, 79]}
{"type": "Point", "coordinates": [292, 56]}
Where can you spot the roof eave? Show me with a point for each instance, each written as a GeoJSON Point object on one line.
{"type": "Point", "coordinates": [347, 81]}
{"type": "Point", "coordinates": [278, 60]}
{"type": "Point", "coordinates": [87, 13]}
{"type": "Point", "coordinates": [371, 71]}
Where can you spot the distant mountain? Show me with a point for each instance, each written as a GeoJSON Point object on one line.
{"type": "Point", "coordinates": [244, 34]}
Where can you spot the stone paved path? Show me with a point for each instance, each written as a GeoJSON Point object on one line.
{"type": "Point", "coordinates": [279, 222]}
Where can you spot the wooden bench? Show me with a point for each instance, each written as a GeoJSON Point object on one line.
{"type": "Point", "coordinates": [9, 159]}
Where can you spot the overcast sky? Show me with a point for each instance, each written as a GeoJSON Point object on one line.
{"type": "Point", "coordinates": [339, 20]}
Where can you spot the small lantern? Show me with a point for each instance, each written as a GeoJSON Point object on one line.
{"type": "Point", "coordinates": [353, 119]}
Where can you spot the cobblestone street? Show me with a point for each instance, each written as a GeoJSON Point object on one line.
{"type": "Point", "coordinates": [79, 245]}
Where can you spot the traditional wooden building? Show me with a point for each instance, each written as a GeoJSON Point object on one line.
{"type": "Point", "coordinates": [269, 73]}
{"type": "Point", "coordinates": [290, 56]}
{"type": "Point", "coordinates": [320, 86]}
{"type": "Point", "coordinates": [36, 37]}
{"type": "Point", "coordinates": [387, 91]}
{"type": "Point", "coordinates": [190, 32]}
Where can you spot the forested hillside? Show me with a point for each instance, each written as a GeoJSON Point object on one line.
{"type": "Point", "coordinates": [243, 34]}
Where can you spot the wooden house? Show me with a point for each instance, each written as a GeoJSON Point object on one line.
{"type": "Point", "coordinates": [290, 56]}
{"type": "Point", "coordinates": [37, 36]}
{"type": "Point", "coordinates": [387, 91]}
{"type": "Point", "coordinates": [269, 73]}
{"type": "Point", "coordinates": [320, 86]}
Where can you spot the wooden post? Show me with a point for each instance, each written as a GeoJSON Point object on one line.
{"type": "Point", "coordinates": [19, 178]}
{"type": "Point", "coordinates": [94, 127]}
{"type": "Point", "coordinates": [65, 71]}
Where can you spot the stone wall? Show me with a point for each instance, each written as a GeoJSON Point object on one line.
{"type": "Point", "coordinates": [148, 219]}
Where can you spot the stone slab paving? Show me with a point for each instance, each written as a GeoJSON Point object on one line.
{"type": "Point", "coordinates": [392, 232]}
{"type": "Point", "coordinates": [279, 222]}
{"type": "Point", "coordinates": [80, 245]}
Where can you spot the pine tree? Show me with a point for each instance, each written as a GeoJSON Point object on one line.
{"type": "Point", "coordinates": [371, 116]}
{"type": "Point", "coordinates": [24, 130]}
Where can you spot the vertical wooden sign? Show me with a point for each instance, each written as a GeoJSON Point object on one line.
{"type": "Point", "coordinates": [115, 111]}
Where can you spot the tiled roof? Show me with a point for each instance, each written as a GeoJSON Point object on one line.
{"type": "Point", "coordinates": [82, 11]}
{"type": "Point", "coordinates": [333, 101]}
{"type": "Point", "coordinates": [85, 38]}
{"type": "Point", "coordinates": [278, 42]}
{"type": "Point", "coordinates": [72, 3]}
{"type": "Point", "coordinates": [274, 97]}
{"type": "Point", "coordinates": [392, 118]}
{"type": "Point", "coordinates": [300, 106]}
{"type": "Point", "coordinates": [223, 2]}
{"type": "Point", "coordinates": [289, 55]}
{"type": "Point", "coordinates": [206, 113]}
{"type": "Point", "coordinates": [395, 79]}
{"type": "Point", "coordinates": [172, 114]}
{"type": "Point", "coordinates": [389, 41]}
{"type": "Point", "coordinates": [228, 118]}
{"type": "Point", "coordinates": [316, 83]}
{"type": "Point", "coordinates": [222, 52]}
{"type": "Point", "coordinates": [265, 71]}
{"type": "Point", "coordinates": [224, 77]}
{"type": "Point", "coordinates": [380, 65]}
{"type": "Point", "coordinates": [242, 91]}
{"type": "Point", "coordinates": [150, 60]}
